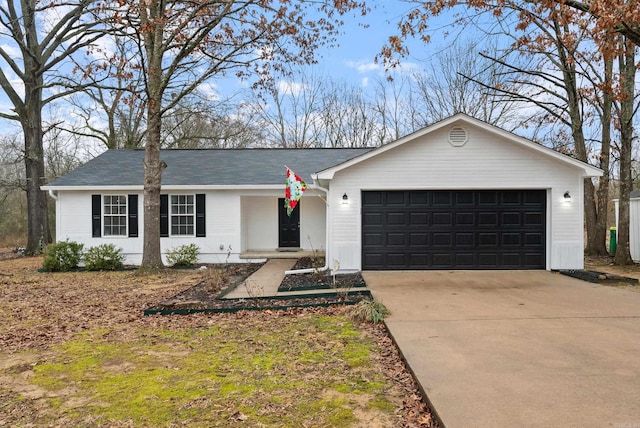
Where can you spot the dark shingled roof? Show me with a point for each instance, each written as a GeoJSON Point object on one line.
{"type": "Point", "coordinates": [207, 167]}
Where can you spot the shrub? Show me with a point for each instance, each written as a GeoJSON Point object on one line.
{"type": "Point", "coordinates": [62, 256]}
{"type": "Point", "coordinates": [104, 257]}
{"type": "Point", "coordinates": [370, 311]}
{"type": "Point", "coordinates": [183, 255]}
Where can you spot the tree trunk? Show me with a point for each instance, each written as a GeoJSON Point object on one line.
{"type": "Point", "coordinates": [627, 71]}
{"type": "Point", "coordinates": [152, 254]}
{"type": "Point", "coordinates": [600, 240]}
{"type": "Point", "coordinates": [38, 234]}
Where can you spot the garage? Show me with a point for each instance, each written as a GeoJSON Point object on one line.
{"type": "Point", "coordinates": [454, 229]}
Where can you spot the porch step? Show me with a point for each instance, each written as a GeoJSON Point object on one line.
{"type": "Point", "coordinates": [276, 254]}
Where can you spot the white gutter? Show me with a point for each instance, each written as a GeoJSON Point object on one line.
{"type": "Point", "coordinates": [53, 195]}
{"type": "Point", "coordinates": [327, 231]}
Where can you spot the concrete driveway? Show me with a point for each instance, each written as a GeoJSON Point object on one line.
{"type": "Point", "coordinates": [517, 348]}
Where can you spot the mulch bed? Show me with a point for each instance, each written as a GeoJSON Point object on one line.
{"type": "Point", "coordinates": [206, 295]}
{"type": "Point", "coordinates": [597, 277]}
{"type": "Point", "coordinates": [318, 280]}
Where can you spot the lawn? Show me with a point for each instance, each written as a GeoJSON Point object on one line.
{"type": "Point", "coordinates": [75, 350]}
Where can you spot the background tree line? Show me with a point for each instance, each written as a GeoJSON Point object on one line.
{"type": "Point", "coordinates": [86, 76]}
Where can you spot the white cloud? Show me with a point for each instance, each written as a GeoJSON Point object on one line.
{"type": "Point", "coordinates": [365, 82]}
{"type": "Point", "coordinates": [291, 88]}
{"type": "Point", "coordinates": [363, 67]}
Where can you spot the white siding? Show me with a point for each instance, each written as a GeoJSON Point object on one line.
{"type": "Point", "coordinates": [313, 214]}
{"type": "Point", "coordinates": [260, 222]}
{"type": "Point", "coordinates": [236, 221]}
{"type": "Point", "coordinates": [484, 162]}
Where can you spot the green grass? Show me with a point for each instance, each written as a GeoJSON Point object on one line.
{"type": "Point", "coordinates": [291, 372]}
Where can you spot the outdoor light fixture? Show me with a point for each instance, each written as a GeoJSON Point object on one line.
{"type": "Point", "coordinates": [567, 196]}
{"type": "Point", "coordinates": [345, 199]}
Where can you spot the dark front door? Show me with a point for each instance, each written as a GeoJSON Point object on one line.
{"type": "Point", "coordinates": [289, 226]}
{"type": "Point", "coordinates": [454, 229]}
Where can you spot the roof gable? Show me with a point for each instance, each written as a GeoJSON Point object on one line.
{"type": "Point", "coordinates": [461, 120]}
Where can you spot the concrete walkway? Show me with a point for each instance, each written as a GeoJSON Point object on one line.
{"type": "Point", "coordinates": [265, 282]}
{"type": "Point", "coordinates": [517, 349]}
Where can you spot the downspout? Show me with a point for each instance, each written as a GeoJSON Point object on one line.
{"type": "Point", "coordinates": [53, 195]}
{"type": "Point", "coordinates": [327, 234]}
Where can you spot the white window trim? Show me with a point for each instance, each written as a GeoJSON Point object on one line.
{"type": "Point", "coordinates": [126, 216]}
{"type": "Point", "coordinates": [171, 215]}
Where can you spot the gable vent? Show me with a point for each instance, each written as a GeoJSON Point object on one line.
{"type": "Point", "coordinates": [458, 136]}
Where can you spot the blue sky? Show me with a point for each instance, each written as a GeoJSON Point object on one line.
{"type": "Point", "coordinates": [354, 59]}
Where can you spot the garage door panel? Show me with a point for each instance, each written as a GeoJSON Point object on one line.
{"type": "Point", "coordinates": [510, 218]}
{"type": "Point", "coordinates": [418, 219]}
{"type": "Point", "coordinates": [417, 199]}
{"type": "Point", "coordinates": [465, 239]}
{"type": "Point", "coordinates": [511, 239]}
{"type": "Point", "coordinates": [531, 239]}
{"type": "Point", "coordinates": [486, 229]}
{"type": "Point", "coordinates": [397, 260]}
{"type": "Point", "coordinates": [442, 198]}
{"type": "Point", "coordinates": [396, 239]}
{"type": "Point", "coordinates": [372, 239]}
{"type": "Point", "coordinates": [487, 219]}
{"type": "Point", "coordinates": [442, 219]}
{"type": "Point", "coordinates": [372, 199]}
{"type": "Point", "coordinates": [533, 219]}
{"type": "Point", "coordinates": [419, 261]}
{"type": "Point", "coordinates": [465, 198]}
{"type": "Point", "coordinates": [418, 239]}
{"type": "Point", "coordinates": [441, 260]}
{"type": "Point", "coordinates": [373, 261]}
{"type": "Point", "coordinates": [396, 198]}
{"type": "Point", "coordinates": [534, 259]}
{"type": "Point", "coordinates": [487, 260]}
{"type": "Point", "coordinates": [441, 240]}
{"type": "Point", "coordinates": [465, 260]}
{"type": "Point", "coordinates": [396, 218]}
{"type": "Point", "coordinates": [372, 219]}
{"type": "Point", "coordinates": [465, 219]}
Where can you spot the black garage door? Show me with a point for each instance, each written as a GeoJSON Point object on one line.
{"type": "Point", "coordinates": [460, 229]}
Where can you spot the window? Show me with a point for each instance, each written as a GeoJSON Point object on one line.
{"type": "Point", "coordinates": [182, 215]}
{"type": "Point", "coordinates": [115, 215]}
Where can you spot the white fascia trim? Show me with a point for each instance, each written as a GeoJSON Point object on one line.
{"type": "Point", "coordinates": [177, 187]}
{"type": "Point", "coordinates": [588, 170]}
{"type": "Point", "coordinates": [91, 188]}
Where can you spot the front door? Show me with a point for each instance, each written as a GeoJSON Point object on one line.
{"type": "Point", "coordinates": [289, 226]}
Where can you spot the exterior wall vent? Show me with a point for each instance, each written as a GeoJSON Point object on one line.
{"type": "Point", "coordinates": [458, 136]}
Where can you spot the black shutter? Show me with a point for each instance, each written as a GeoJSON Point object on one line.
{"type": "Point", "coordinates": [200, 215]}
{"type": "Point", "coordinates": [133, 216]}
{"type": "Point", "coordinates": [96, 215]}
{"type": "Point", "coordinates": [164, 215]}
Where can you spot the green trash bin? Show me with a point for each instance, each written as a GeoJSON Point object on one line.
{"type": "Point", "coordinates": [613, 242]}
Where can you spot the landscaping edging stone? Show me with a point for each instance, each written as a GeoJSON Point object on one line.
{"type": "Point", "coordinates": [597, 277]}
{"type": "Point", "coordinates": [265, 303]}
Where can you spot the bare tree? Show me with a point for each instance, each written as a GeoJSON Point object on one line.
{"type": "Point", "coordinates": [626, 110]}
{"type": "Point", "coordinates": [347, 117]}
{"type": "Point", "coordinates": [462, 80]}
{"type": "Point", "coordinates": [183, 44]}
{"type": "Point", "coordinates": [42, 36]}
{"type": "Point", "coordinates": [199, 122]}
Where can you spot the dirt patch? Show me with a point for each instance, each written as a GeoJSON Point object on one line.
{"type": "Point", "coordinates": [318, 280]}
{"type": "Point", "coordinates": [206, 296]}
{"type": "Point", "coordinates": [604, 265]}
{"type": "Point", "coordinates": [70, 341]}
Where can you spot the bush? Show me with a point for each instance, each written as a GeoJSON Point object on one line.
{"type": "Point", "coordinates": [370, 311]}
{"type": "Point", "coordinates": [62, 256]}
{"type": "Point", "coordinates": [184, 255]}
{"type": "Point", "coordinates": [104, 257]}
